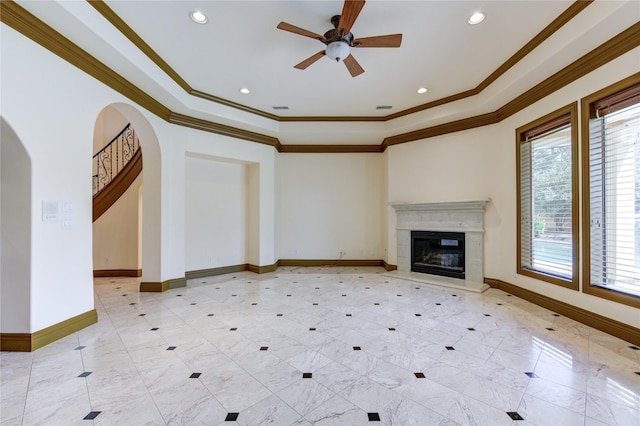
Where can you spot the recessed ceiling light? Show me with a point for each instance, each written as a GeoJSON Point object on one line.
{"type": "Point", "coordinates": [245, 91]}
{"type": "Point", "coordinates": [423, 90]}
{"type": "Point", "coordinates": [198, 17]}
{"type": "Point", "coordinates": [476, 18]}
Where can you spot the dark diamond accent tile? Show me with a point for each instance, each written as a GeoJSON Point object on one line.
{"type": "Point", "coordinates": [374, 417]}
{"type": "Point", "coordinates": [253, 304]}
{"type": "Point", "coordinates": [343, 295]}
{"type": "Point", "coordinates": [278, 315]}
{"type": "Point", "coordinates": [307, 375]}
{"type": "Point", "coordinates": [450, 348]}
{"type": "Point", "coordinates": [454, 295]}
{"type": "Point", "coordinates": [288, 295]}
{"type": "Point", "coordinates": [550, 329]}
{"type": "Point", "coordinates": [556, 315]}
{"type": "Point", "coordinates": [508, 295]}
{"type": "Point", "coordinates": [637, 372]}
{"type": "Point", "coordinates": [367, 288]}
{"type": "Point", "coordinates": [349, 315]}
{"type": "Point", "coordinates": [203, 282]}
{"type": "Point", "coordinates": [339, 282]}
{"type": "Point", "coordinates": [92, 415]}
{"type": "Point", "coordinates": [154, 329]}
{"type": "Point", "coordinates": [386, 282]}
{"type": "Point", "coordinates": [376, 304]}
{"type": "Point", "coordinates": [249, 282]}
{"type": "Point", "coordinates": [210, 315]}
{"type": "Point", "coordinates": [131, 304]}
{"type": "Point", "coordinates": [231, 417]}
{"type": "Point", "coordinates": [141, 315]}
{"type": "Point", "coordinates": [233, 295]}
{"type": "Point", "coordinates": [635, 348]}
{"type": "Point", "coordinates": [438, 304]}
{"type": "Point", "coordinates": [531, 374]}
{"type": "Point", "coordinates": [233, 329]}
{"type": "Point", "coordinates": [312, 329]}
{"type": "Point", "coordinates": [264, 348]}
{"type": "Point", "coordinates": [315, 304]}
{"type": "Point", "coordinates": [192, 304]}
{"type": "Point", "coordinates": [499, 304]}
{"type": "Point", "coordinates": [514, 415]}
{"type": "Point", "coordinates": [419, 375]}
{"type": "Point", "coordinates": [79, 348]}
{"type": "Point", "coordinates": [418, 315]}
{"type": "Point", "coordinates": [178, 295]}
{"type": "Point", "coordinates": [392, 329]}
{"type": "Point", "coordinates": [317, 288]}
{"type": "Point", "coordinates": [487, 315]}
{"type": "Point", "coordinates": [399, 295]}
{"type": "Point", "coordinates": [171, 348]}
{"type": "Point", "coordinates": [357, 348]}
{"type": "Point", "coordinates": [123, 295]}
{"type": "Point", "coordinates": [85, 373]}
{"type": "Point", "coordinates": [417, 288]}
{"type": "Point", "coordinates": [471, 329]}
{"type": "Point", "coordinates": [194, 375]}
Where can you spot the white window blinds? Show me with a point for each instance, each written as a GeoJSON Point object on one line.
{"type": "Point", "coordinates": [546, 214]}
{"type": "Point", "coordinates": [614, 192]}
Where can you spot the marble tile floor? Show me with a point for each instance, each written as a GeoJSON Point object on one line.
{"type": "Point", "coordinates": [332, 345]}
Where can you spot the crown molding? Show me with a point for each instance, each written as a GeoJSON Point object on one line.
{"type": "Point", "coordinates": [28, 25]}
{"type": "Point", "coordinates": [547, 32]}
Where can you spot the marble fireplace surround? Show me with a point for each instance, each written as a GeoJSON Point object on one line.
{"type": "Point", "coordinates": [443, 216]}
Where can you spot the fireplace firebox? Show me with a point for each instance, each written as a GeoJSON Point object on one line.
{"type": "Point", "coordinates": [438, 253]}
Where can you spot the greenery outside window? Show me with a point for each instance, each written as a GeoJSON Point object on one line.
{"type": "Point", "coordinates": [547, 198]}
{"type": "Point", "coordinates": [611, 206]}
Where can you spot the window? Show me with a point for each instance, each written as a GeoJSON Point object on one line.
{"type": "Point", "coordinates": [611, 163]}
{"type": "Point", "coordinates": [547, 198]}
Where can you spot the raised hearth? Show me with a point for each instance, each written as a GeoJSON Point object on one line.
{"type": "Point", "coordinates": [466, 216]}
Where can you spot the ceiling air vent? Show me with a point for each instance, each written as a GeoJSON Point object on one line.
{"type": "Point", "coordinates": [280, 107]}
{"type": "Point", "coordinates": [384, 107]}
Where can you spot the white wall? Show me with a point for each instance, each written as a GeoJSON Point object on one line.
{"type": "Point", "coordinates": [328, 203]}
{"type": "Point", "coordinates": [15, 228]}
{"type": "Point", "coordinates": [216, 213]}
{"type": "Point", "coordinates": [481, 163]}
{"type": "Point", "coordinates": [115, 233]}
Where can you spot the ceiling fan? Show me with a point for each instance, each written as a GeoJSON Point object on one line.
{"type": "Point", "coordinates": [340, 40]}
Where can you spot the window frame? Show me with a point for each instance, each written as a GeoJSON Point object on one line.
{"type": "Point", "coordinates": [573, 282]}
{"type": "Point", "coordinates": [586, 113]}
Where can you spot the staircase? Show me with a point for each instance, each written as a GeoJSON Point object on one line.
{"type": "Point", "coordinates": [115, 167]}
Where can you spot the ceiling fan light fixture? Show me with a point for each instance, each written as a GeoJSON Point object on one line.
{"type": "Point", "coordinates": [337, 51]}
{"type": "Point", "coordinates": [198, 17]}
{"type": "Point", "coordinates": [476, 18]}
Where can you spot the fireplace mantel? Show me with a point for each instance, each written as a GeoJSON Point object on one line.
{"type": "Point", "coordinates": [445, 216]}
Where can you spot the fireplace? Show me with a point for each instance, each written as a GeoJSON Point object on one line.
{"type": "Point", "coordinates": [452, 220]}
{"type": "Point", "coordinates": [438, 253]}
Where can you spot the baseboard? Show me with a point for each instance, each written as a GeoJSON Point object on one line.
{"type": "Point", "coordinates": [102, 273]}
{"type": "Point", "coordinates": [202, 273]}
{"type": "Point", "coordinates": [329, 262]}
{"type": "Point", "coordinates": [597, 321]}
{"type": "Point", "coordinates": [159, 287]}
{"type": "Point", "coordinates": [29, 342]}
{"type": "Point", "coordinates": [389, 267]}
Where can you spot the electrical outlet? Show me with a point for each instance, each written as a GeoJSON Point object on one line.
{"type": "Point", "coordinates": [343, 253]}
{"type": "Point", "coordinates": [106, 260]}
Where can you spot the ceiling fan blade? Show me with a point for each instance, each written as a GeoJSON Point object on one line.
{"type": "Point", "coordinates": [391, 40]}
{"type": "Point", "coordinates": [350, 12]}
{"type": "Point", "coordinates": [310, 60]}
{"type": "Point", "coordinates": [300, 31]}
{"type": "Point", "coordinates": [353, 66]}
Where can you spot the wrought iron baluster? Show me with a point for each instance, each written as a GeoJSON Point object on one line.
{"type": "Point", "coordinates": [109, 163]}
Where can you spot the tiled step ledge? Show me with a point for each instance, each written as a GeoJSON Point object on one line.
{"type": "Point", "coordinates": [439, 281]}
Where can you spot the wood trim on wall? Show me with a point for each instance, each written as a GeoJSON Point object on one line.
{"type": "Point", "coordinates": [28, 342]}
{"type": "Point", "coordinates": [566, 16]}
{"type": "Point", "coordinates": [158, 287]}
{"type": "Point", "coordinates": [105, 273]}
{"type": "Point", "coordinates": [329, 262]}
{"type": "Point", "coordinates": [22, 21]}
{"type": "Point", "coordinates": [597, 321]}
